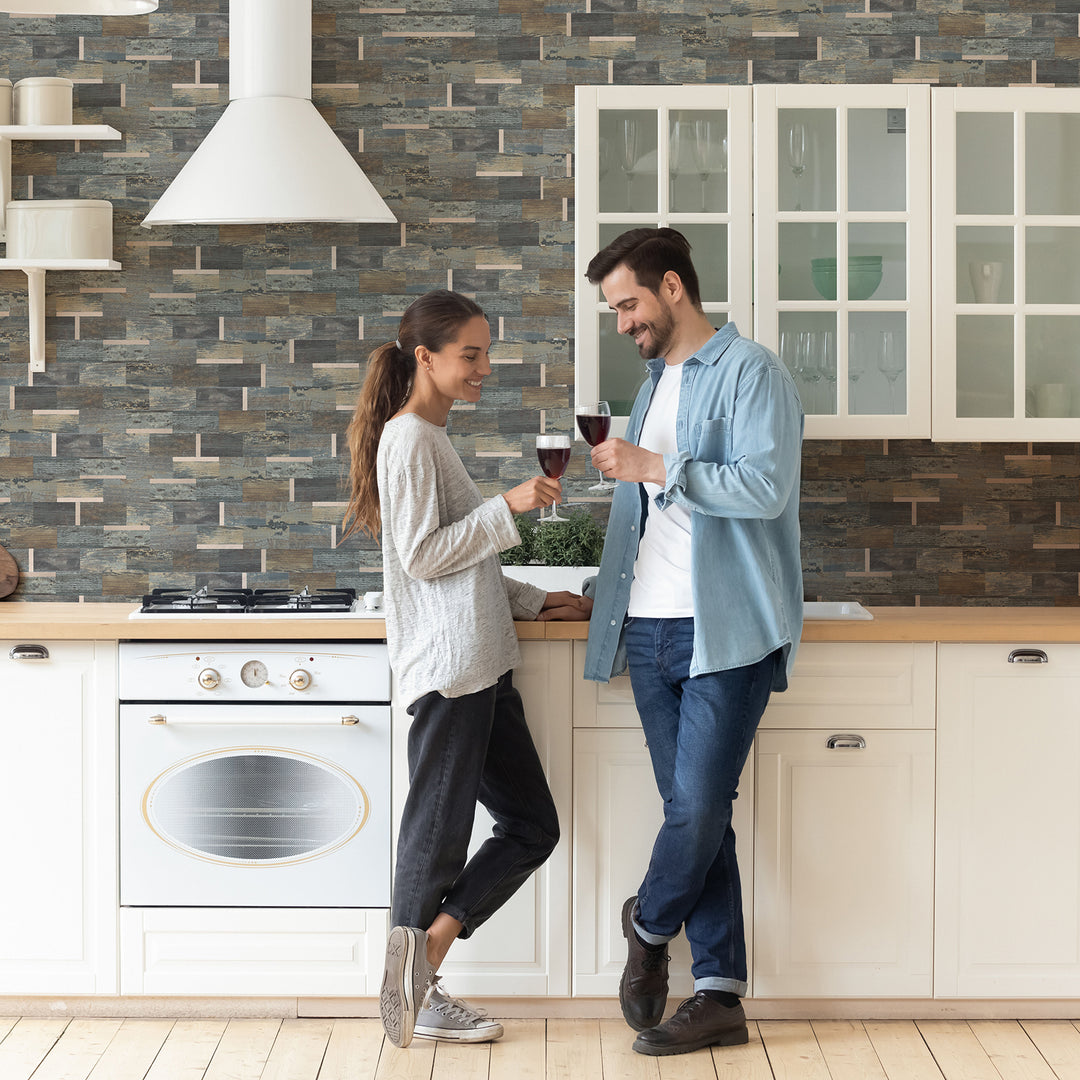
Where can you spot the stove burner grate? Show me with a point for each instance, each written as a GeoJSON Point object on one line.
{"type": "Point", "coordinates": [172, 601]}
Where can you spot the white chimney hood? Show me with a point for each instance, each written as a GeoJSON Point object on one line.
{"type": "Point", "coordinates": [270, 157]}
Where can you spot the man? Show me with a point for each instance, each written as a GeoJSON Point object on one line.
{"type": "Point", "coordinates": [701, 581]}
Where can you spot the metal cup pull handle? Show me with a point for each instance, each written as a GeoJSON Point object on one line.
{"type": "Point", "coordinates": [845, 742]}
{"type": "Point", "coordinates": [28, 652]}
{"type": "Point", "coordinates": [350, 721]}
{"type": "Point", "coordinates": [1028, 656]}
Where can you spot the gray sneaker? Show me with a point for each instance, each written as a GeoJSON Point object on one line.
{"type": "Point", "coordinates": [406, 979]}
{"type": "Point", "coordinates": [446, 1017]}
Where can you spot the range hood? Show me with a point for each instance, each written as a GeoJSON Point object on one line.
{"type": "Point", "coordinates": [270, 157]}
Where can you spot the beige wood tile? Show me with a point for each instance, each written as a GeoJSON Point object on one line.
{"type": "Point", "coordinates": [520, 1053]}
{"type": "Point", "coordinates": [573, 1049]}
{"type": "Point", "coordinates": [353, 1051]}
{"type": "Point", "coordinates": [793, 1051]}
{"type": "Point", "coordinates": [749, 1062]}
{"type": "Point", "coordinates": [1059, 1043]}
{"type": "Point", "coordinates": [847, 1050]}
{"type": "Point", "coordinates": [78, 1050]}
{"type": "Point", "coordinates": [132, 1050]}
{"type": "Point", "coordinates": [26, 1044]}
{"type": "Point", "coordinates": [243, 1050]}
{"type": "Point", "coordinates": [956, 1050]}
{"type": "Point", "coordinates": [901, 1050]}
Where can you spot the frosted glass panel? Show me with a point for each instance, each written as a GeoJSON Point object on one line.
{"type": "Point", "coordinates": [877, 261]}
{"type": "Point", "coordinates": [808, 349]}
{"type": "Point", "coordinates": [877, 159]}
{"type": "Point", "coordinates": [807, 159]}
{"type": "Point", "coordinates": [628, 161]}
{"type": "Point", "coordinates": [984, 365]}
{"type": "Point", "coordinates": [709, 250]}
{"type": "Point", "coordinates": [984, 265]}
{"type": "Point", "coordinates": [1053, 163]}
{"type": "Point", "coordinates": [877, 363]}
{"type": "Point", "coordinates": [699, 161]}
{"type": "Point", "coordinates": [1052, 349]}
{"type": "Point", "coordinates": [984, 163]}
{"type": "Point", "coordinates": [800, 244]}
{"type": "Point", "coordinates": [622, 370]}
{"type": "Point", "coordinates": [1053, 265]}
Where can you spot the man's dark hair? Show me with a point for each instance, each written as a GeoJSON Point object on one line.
{"type": "Point", "coordinates": [650, 254]}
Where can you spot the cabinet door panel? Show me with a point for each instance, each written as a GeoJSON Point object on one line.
{"type": "Point", "coordinates": [57, 798]}
{"type": "Point", "coordinates": [617, 811]}
{"type": "Point", "coordinates": [523, 948]}
{"type": "Point", "coordinates": [843, 879]}
{"type": "Point", "coordinates": [1008, 911]}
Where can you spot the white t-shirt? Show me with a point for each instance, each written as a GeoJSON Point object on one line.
{"type": "Point", "coordinates": [661, 585]}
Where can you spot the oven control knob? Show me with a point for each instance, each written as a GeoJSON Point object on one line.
{"type": "Point", "coordinates": [209, 679]}
{"type": "Point", "coordinates": [299, 679]}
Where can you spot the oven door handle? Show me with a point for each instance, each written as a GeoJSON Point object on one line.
{"type": "Point", "coordinates": [159, 719]}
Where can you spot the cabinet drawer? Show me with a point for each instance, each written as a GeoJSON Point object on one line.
{"type": "Point", "coordinates": [859, 685]}
{"type": "Point", "coordinates": [609, 704]}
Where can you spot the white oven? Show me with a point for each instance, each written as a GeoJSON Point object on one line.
{"type": "Point", "coordinates": [254, 774]}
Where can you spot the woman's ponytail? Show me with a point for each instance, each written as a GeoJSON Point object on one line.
{"type": "Point", "coordinates": [386, 388]}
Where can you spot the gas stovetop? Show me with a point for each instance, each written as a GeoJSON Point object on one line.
{"type": "Point", "coordinates": [215, 603]}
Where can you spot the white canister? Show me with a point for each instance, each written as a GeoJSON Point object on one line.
{"type": "Point", "coordinates": [59, 229]}
{"type": "Point", "coordinates": [5, 101]}
{"type": "Point", "coordinates": [43, 101]}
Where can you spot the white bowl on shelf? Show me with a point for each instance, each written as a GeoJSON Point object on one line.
{"type": "Point", "coordinates": [59, 229]}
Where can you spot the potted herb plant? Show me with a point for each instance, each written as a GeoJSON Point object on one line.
{"type": "Point", "coordinates": [556, 555]}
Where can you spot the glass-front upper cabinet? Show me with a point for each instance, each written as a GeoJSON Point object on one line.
{"type": "Point", "coordinates": [842, 252]}
{"type": "Point", "coordinates": [1007, 263]}
{"type": "Point", "coordinates": [659, 156]}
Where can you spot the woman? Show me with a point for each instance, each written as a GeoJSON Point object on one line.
{"type": "Point", "coordinates": [450, 630]}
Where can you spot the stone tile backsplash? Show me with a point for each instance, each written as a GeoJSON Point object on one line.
{"type": "Point", "coordinates": [189, 427]}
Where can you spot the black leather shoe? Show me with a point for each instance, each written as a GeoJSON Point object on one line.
{"type": "Point", "coordinates": [697, 1022]}
{"type": "Point", "coordinates": [643, 988]}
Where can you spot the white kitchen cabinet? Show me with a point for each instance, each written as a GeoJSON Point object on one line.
{"type": "Point", "coordinates": [523, 949]}
{"type": "Point", "coordinates": [1006, 263]}
{"type": "Point", "coordinates": [818, 173]}
{"type": "Point", "coordinates": [842, 179]}
{"type": "Point", "coordinates": [844, 825]}
{"type": "Point", "coordinates": [1008, 828]}
{"type": "Point", "coordinates": [58, 804]}
{"type": "Point", "coordinates": [844, 863]}
{"type": "Point", "coordinates": [617, 812]}
{"type": "Point", "coordinates": [659, 156]}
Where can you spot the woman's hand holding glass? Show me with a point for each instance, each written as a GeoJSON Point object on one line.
{"type": "Point", "coordinates": [538, 491]}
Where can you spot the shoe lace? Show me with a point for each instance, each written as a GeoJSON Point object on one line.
{"type": "Point", "coordinates": [691, 1004]}
{"type": "Point", "coordinates": [438, 1000]}
{"type": "Point", "coordinates": [653, 958]}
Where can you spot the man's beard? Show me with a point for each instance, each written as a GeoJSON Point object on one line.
{"type": "Point", "coordinates": [660, 335]}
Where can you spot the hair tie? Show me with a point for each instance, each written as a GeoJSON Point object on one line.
{"type": "Point", "coordinates": [398, 345]}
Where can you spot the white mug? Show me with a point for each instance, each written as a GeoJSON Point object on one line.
{"type": "Point", "coordinates": [1053, 399]}
{"type": "Point", "coordinates": [373, 600]}
{"type": "Point", "coordinates": [985, 281]}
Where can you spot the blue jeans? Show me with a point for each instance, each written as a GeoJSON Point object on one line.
{"type": "Point", "coordinates": [699, 731]}
{"type": "Point", "coordinates": [464, 750]}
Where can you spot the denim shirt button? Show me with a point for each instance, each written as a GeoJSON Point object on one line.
{"type": "Point", "coordinates": [622, 576]}
{"type": "Point", "coordinates": [612, 622]}
{"type": "Point", "coordinates": [633, 528]}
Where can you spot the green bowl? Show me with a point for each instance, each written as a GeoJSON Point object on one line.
{"type": "Point", "coordinates": [864, 276]}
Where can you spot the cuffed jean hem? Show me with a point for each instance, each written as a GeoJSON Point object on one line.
{"type": "Point", "coordinates": [651, 939]}
{"type": "Point", "coordinates": [732, 986]}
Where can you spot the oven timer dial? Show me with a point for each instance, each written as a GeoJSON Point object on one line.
{"type": "Point", "coordinates": [299, 679]}
{"type": "Point", "coordinates": [209, 679]}
{"type": "Point", "coordinates": [254, 673]}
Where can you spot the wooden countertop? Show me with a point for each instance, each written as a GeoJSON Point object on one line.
{"type": "Point", "coordinates": [26, 621]}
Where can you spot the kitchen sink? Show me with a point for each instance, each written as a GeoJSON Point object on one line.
{"type": "Point", "coordinates": [834, 609]}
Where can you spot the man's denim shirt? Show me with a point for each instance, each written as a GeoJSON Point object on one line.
{"type": "Point", "coordinates": [739, 442]}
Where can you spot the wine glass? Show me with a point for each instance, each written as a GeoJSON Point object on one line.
{"type": "Point", "coordinates": [796, 152]}
{"type": "Point", "coordinates": [827, 367]}
{"type": "Point", "coordinates": [594, 423]}
{"type": "Point", "coordinates": [891, 362]}
{"type": "Point", "coordinates": [856, 366]}
{"type": "Point", "coordinates": [553, 453]}
{"type": "Point", "coordinates": [629, 156]}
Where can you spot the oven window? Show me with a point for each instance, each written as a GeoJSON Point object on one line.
{"type": "Point", "coordinates": [256, 806]}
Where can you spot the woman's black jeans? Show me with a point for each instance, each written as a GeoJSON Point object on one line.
{"type": "Point", "coordinates": [465, 750]}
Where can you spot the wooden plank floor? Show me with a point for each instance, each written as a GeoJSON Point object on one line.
{"type": "Point", "coordinates": [36, 1048]}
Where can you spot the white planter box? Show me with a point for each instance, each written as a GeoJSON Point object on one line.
{"type": "Point", "coordinates": [552, 578]}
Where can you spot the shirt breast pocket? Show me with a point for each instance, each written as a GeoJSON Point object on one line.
{"type": "Point", "coordinates": [712, 440]}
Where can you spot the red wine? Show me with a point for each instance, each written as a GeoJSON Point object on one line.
{"type": "Point", "coordinates": [594, 429]}
{"type": "Point", "coordinates": [553, 460]}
